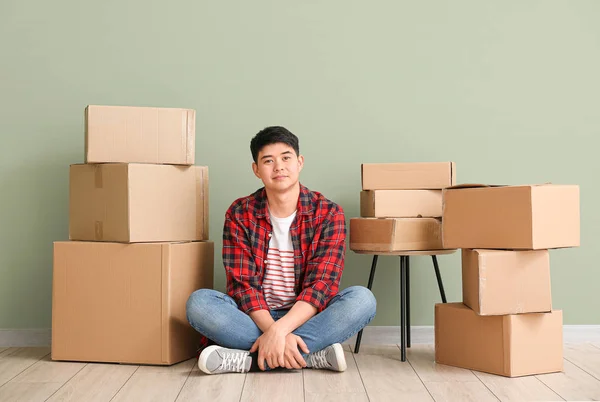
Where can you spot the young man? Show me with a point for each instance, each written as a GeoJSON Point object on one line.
{"type": "Point", "coordinates": [283, 252]}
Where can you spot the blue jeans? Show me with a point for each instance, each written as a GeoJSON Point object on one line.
{"type": "Point", "coordinates": [216, 316]}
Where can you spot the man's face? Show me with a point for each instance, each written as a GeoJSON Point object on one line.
{"type": "Point", "coordinates": [278, 167]}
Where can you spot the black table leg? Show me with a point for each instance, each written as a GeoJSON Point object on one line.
{"type": "Point", "coordinates": [439, 278]}
{"type": "Point", "coordinates": [407, 262]}
{"type": "Point", "coordinates": [369, 286]}
{"type": "Point", "coordinates": [402, 308]}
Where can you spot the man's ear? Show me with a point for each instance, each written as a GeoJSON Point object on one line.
{"type": "Point", "coordinates": [255, 169]}
{"type": "Point", "coordinates": [300, 162]}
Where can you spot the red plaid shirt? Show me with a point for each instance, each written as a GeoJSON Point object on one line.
{"type": "Point", "coordinates": [318, 236]}
{"type": "Point", "coordinates": [319, 239]}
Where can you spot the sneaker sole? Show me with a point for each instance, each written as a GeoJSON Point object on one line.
{"type": "Point", "coordinates": [340, 357]}
{"type": "Point", "coordinates": [204, 357]}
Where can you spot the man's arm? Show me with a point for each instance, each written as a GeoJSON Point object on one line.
{"type": "Point", "coordinates": [262, 319]}
{"type": "Point", "coordinates": [298, 315]}
{"type": "Point", "coordinates": [324, 269]}
{"type": "Point", "coordinates": [242, 276]}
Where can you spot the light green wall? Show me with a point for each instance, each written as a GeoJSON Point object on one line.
{"type": "Point", "coordinates": [507, 90]}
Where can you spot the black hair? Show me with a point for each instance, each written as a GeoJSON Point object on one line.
{"type": "Point", "coordinates": [273, 135]}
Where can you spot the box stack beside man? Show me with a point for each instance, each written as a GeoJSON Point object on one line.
{"type": "Point", "coordinates": [506, 324]}
{"type": "Point", "coordinates": [401, 206]}
{"type": "Point", "coordinates": [138, 240]}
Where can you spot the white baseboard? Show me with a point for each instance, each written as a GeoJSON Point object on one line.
{"type": "Point", "coordinates": [25, 337]}
{"type": "Point", "coordinates": [374, 335]}
{"type": "Point", "coordinates": [379, 335]}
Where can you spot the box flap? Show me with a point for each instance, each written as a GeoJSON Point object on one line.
{"type": "Point", "coordinates": [468, 185]}
{"type": "Point", "coordinates": [106, 295]}
{"type": "Point", "coordinates": [191, 267]}
{"type": "Point", "coordinates": [536, 343]}
{"type": "Point", "coordinates": [98, 206]}
{"type": "Point", "coordinates": [371, 234]}
{"type": "Point", "coordinates": [478, 185]}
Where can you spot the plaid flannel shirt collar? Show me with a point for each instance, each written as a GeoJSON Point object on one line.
{"type": "Point", "coordinates": [305, 204]}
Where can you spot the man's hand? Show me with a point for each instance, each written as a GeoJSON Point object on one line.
{"type": "Point", "coordinates": [293, 358]}
{"type": "Point", "coordinates": [271, 347]}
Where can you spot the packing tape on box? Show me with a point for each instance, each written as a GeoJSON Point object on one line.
{"type": "Point", "coordinates": [190, 131]}
{"type": "Point", "coordinates": [98, 230]}
{"type": "Point", "coordinates": [200, 196]}
{"type": "Point", "coordinates": [98, 176]}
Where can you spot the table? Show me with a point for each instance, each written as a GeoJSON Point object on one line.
{"type": "Point", "coordinates": [404, 288]}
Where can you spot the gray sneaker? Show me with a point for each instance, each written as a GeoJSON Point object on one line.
{"type": "Point", "coordinates": [330, 358]}
{"type": "Point", "coordinates": [217, 359]}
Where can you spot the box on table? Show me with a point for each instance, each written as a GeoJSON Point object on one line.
{"type": "Point", "coordinates": [138, 202]}
{"type": "Point", "coordinates": [507, 345]}
{"type": "Point", "coordinates": [408, 176]}
{"type": "Point", "coordinates": [395, 234]}
{"type": "Point", "coordinates": [126, 303]}
{"type": "Point", "coordinates": [140, 135]}
{"type": "Point", "coordinates": [401, 203]}
{"type": "Point", "coordinates": [499, 282]}
{"type": "Point", "coordinates": [529, 217]}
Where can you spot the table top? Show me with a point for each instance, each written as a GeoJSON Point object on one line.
{"type": "Point", "coordinates": [407, 253]}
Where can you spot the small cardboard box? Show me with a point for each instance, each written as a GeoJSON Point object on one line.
{"type": "Point", "coordinates": [395, 234]}
{"type": "Point", "coordinates": [499, 282]}
{"type": "Point", "coordinates": [126, 303]}
{"type": "Point", "coordinates": [138, 202]}
{"type": "Point", "coordinates": [529, 217]}
{"type": "Point", "coordinates": [401, 203]}
{"type": "Point", "coordinates": [140, 135]}
{"type": "Point", "coordinates": [507, 345]}
{"type": "Point", "coordinates": [408, 176]}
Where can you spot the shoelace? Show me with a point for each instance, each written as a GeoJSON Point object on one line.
{"type": "Point", "coordinates": [233, 362]}
{"type": "Point", "coordinates": [319, 360]}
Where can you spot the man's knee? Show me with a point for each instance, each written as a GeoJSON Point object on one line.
{"type": "Point", "coordinates": [363, 299]}
{"type": "Point", "coordinates": [196, 304]}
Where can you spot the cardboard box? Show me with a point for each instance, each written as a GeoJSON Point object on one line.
{"type": "Point", "coordinates": [125, 303]}
{"type": "Point", "coordinates": [395, 234]}
{"type": "Point", "coordinates": [508, 345]}
{"type": "Point", "coordinates": [498, 282]}
{"type": "Point", "coordinates": [529, 217]}
{"type": "Point", "coordinates": [138, 202]}
{"type": "Point", "coordinates": [401, 203]}
{"type": "Point", "coordinates": [140, 135]}
{"type": "Point", "coordinates": [408, 176]}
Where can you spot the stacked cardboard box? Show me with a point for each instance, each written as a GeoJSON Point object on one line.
{"type": "Point", "coordinates": [401, 206]}
{"type": "Point", "coordinates": [506, 324]}
{"type": "Point", "coordinates": [139, 240]}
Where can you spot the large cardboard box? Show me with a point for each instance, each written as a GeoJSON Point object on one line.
{"type": "Point", "coordinates": [527, 217]}
{"type": "Point", "coordinates": [408, 176]}
{"type": "Point", "coordinates": [499, 282]}
{"type": "Point", "coordinates": [508, 345]}
{"type": "Point", "coordinates": [140, 135]}
{"type": "Point", "coordinates": [401, 203]}
{"type": "Point", "coordinates": [138, 202]}
{"type": "Point", "coordinates": [125, 303]}
{"type": "Point", "coordinates": [395, 234]}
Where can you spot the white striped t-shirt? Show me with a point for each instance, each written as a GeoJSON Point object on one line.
{"type": "Point", "coordinates": [278, 282]}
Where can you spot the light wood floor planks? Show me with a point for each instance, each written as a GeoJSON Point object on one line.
{"type": "Point", "coordinates": [374, 374]}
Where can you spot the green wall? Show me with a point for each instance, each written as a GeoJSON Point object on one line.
{"type": "Point", "coordinates": [510, 91]}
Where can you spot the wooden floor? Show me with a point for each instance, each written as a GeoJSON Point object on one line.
{"type": "Point", "coordinates": [375, 374]}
